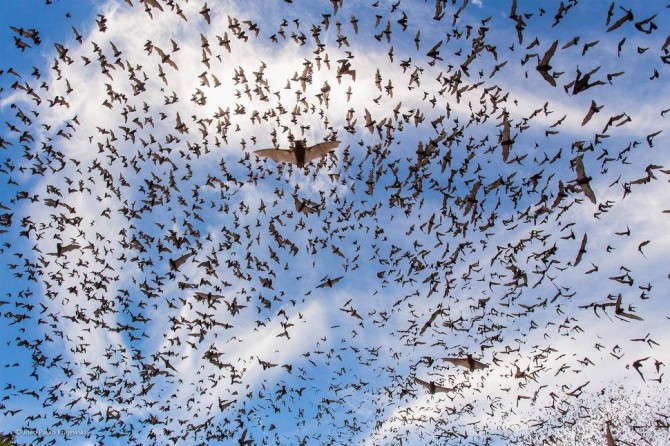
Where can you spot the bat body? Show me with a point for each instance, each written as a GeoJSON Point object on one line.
{"type": "Point", "coordinates": [299, 155]}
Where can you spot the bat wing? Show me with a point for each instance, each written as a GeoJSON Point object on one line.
{"type": "Point", "coordinates": [505, 140]}
{"type": "Point", "coordinates": [319, 150]}
{"type": "Point", "coordinates": [480, 365]}
{"type": "Point", "coordinates": [306, 206]}
{"type": "Point", "coordinates": [176, 263]}
{"type": "Point", "coordinates": [579, 167]}
{"type": "Point", "coordinates": [458, 362]}
{"type": "Point", "coordinates": [549, 54]}
{"type": "Point", "coordinates": [428, 323]}
{"type": "Point", "coordinates": [549, 78]}
{"type": "Point", "coordinates": [630, 316]}
{"type": "Point", "coordinates": [609, 436]}
{"type": "Point", "coordinates": [582, 250]}
{"type": "Point", "coordinates": [199, 295]}
{"type": "Point", "coordinates": [160, 52]}
{"type": "Point", "coordinates": [422, 382]}
{"type": "Point", "coordinates": [327, 282]}
{"type": "Point", "coordinates": [278, 155]}
{"type": "Point", "coordinates": [443, 389]}
{"type": "Point", "coordinates": [586, 188]}
{"type": "Point", "coordinates": [589, 114]}
{"type": "Point", "coordinates": [69, 248]}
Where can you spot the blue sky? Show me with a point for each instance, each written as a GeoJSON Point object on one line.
{"type": "Point", "coordinates": [113, 345]}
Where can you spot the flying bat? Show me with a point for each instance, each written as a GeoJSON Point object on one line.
{"type": "Point", "coordinates": [434, 388]}
{"type": "Point", "coordinates": [179, 261]}
{"type": "Point", "coordinates": [299, 155]}
{"type": "Point", "coordinates": [619, 310]}
{"type": "Point", "coordinates": [594, 108]}
{"type": "Point", "coordinates": [582, 251]}
{"type": "Point", "coordinates": [60, 249]}
{"type": "Point", "coordinates": [468, 362]}
{"type": "Point", "coordinates": [432, 318]}
{"type": "Point", "coordinates": [544, 65]}
{"type": "Point", "coordinates": [328, 282]}
{"type": "Point", "coordinates": [584, 180]}
{"type": "Point", "coordinates": [306, 206]}
{"type": "Point", "coordinates": [506, 140]}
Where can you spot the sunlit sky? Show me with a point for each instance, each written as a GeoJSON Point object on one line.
{"type": "Point", "coordinates": [481, 259]}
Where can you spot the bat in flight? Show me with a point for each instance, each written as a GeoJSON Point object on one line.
{"type": "Point", "coordinates": [299, 155]}
{"type": "Point", "coordinates": [468, 362]}
{"type": "Point", "coordinates": [433, 388]}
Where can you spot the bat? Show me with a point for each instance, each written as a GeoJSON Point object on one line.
{"type": "Point", "coordinates": [432, 318]}
{"type": "Point", "coordinates": [60, 249]}
{"type": "Point", "coordinates": [619, 310]}
{"type": "Point", "coordinates": [179, 261]}
{"type": "Point", "coordinates": [434, 388]}
{"type": "Point", "coordinates": [594, 108]}
{"type": "Point", "coordinates": [506, 140]}
{"type": "Point", "coordinates": [544, 65]}
{"type": "Point", "coordinates": [582, 251]}
{"type": "Point", "coordinates": [306, 206]}
{"type": "Point", "coordinates": [468, 362]}
{"type": "Point", "coordinates": [328, 282]}
{"type": "Point", "coordinates": [299, 155]}
{"type": "Point", "coordinates": [584, 180]}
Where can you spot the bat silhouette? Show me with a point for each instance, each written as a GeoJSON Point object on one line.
{"type": "Point", "coordinates": [619, 310]}
{"type": "Point", "coordinates": [434, 388]}
{"type": "Point", "coordinates": [299, 155]}
{"type": "Point", "coordinates": [469, 362]}
{"type": "Point", "coordinates": [582, 251]}
{"type": "Point", "coordinates": [60, 249]}
{"type": "Point", "coordinates": [583, 180]}
{"type": "Point", "coordinates": [544, 65]}
{"type": "Point", "coordinates": [328, 282]}
{"type": "Point", "coordinates": [594, 108]}
{"type": "Point", "coordinates": [506, 140]}
{"type": "Point", "coordinates": [179, 261]}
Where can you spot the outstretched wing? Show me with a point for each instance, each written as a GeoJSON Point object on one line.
{"type": "Point", "coordinates": [548, 55]}
{"type": "Point", "coordinates": [548, 77]}
{"type": "Point", "coordinates": [586, 188]}
{"type": "Point", "coordinates": [432, 318]}
{"type": "Point", "coordinates": [505, 138]}
{"type": "Point", "coordinates": [584, 180]}
{"type": "Point", "coordinates": [278, 155]}
{"type": "Point", "coordinates": [423, 383]}
{"type": "Point", "coordinates": [462, 362]}
{"type": "Point", "coordinates": [480, 365]}
{"type": "Point", "coordinates": [443, 389]}
{"type": "Point", "coordinates": [579, 168]}
{"type": "Point", "coordinates": [582, 251]}
{"type": "Point", "coordinates": [319, 150]}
